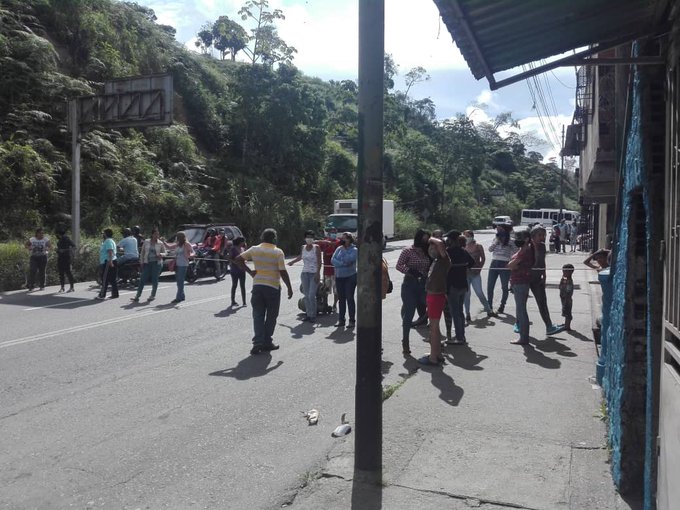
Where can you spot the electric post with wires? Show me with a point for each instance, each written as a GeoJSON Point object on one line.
{"type": "Point", "coordinates": [561, 216]}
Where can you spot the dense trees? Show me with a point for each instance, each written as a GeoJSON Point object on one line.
{"type": "Point", "coordinates": [257, 142]}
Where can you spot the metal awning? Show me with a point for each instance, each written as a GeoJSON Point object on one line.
{"type": "Point", "coordinates": [497, 35]}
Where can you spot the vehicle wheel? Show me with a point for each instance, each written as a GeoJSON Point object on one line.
{"type": "Point", "coordinates": [222, 271]}
{"type": "Point", "coordinates": [191, 274]}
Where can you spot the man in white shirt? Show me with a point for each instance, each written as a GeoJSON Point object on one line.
{"type": "Point", "coordinates": [129, 246]}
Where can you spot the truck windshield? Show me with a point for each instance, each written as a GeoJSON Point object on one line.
{"type": "Point", "coordinates": [343, 222]}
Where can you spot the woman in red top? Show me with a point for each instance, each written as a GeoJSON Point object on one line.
{"type": "Point", "coordinates": [520, 278]}
{"type": "Point", "coordinates": [328, 247]}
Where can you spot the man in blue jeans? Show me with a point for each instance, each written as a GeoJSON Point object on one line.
{"type": "Point", "coordinates": [265, 299]}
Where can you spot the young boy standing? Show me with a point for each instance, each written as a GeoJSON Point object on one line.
{"type": "Point", "coordinates": [566, 294]}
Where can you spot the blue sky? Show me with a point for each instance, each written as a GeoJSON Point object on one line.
{"type": "Point", "coordinates": [325, 34]}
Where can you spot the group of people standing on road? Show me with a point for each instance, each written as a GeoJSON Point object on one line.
{"type": "Point", "coordinates": [270, 268]}
{"type": "Point", "coordinates": [441, 271]}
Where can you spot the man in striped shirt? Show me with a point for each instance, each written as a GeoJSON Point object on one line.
{"type": "Point", "coordinates": [265, 299]}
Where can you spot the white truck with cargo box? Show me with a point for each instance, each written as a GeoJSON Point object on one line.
{"type": "Point", "coordinates": [345, 218]}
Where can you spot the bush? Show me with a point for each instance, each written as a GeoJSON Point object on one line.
{"type": "Point", "coordinates": [405, 224]}
{"type": "Point", "coordinates": [14, 264]}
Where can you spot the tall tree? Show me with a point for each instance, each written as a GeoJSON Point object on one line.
{"type": "Point", "coordinates": [205, 38]}
{"type": "Point", "coordinates": [266, 45]}
{"type": "Point", "coordinates": [416, 75]}
{"type": "Point", "coordinates": [229, 37]}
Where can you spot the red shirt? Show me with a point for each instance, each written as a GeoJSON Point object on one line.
{"type": "Point", "coordinates": [522, 273]}
{"type": "Point", "coordinates": [328, 247]}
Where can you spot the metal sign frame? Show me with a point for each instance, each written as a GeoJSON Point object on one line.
{"type": "Point", "coordinates": [133, 102]}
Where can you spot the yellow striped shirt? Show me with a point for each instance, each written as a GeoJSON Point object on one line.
{"type": "Point", "coordinates": [268, 260]}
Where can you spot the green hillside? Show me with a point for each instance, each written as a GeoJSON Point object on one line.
{"type": "Point", "coordinates": [255, 144]}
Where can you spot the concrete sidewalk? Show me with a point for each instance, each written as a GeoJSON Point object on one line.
{"type": "Point", "coordinates": [498, 426]}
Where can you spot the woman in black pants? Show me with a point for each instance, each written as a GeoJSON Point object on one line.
{"type": "Point", "coordinates": [238, 276]}
{"type": "Point", "coordinates": [64, 247]}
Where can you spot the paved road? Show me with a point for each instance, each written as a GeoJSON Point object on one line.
{"type": "Point", "coordinates": [119, 404]}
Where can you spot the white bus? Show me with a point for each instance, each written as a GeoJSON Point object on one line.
{"type": "Point", "coordinates": [547, 217]}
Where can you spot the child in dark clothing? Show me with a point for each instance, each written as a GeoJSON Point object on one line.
{"type": "Point", "coordinates": [566, 294]}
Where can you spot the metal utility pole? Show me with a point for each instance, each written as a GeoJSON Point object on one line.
{"type": "Point", "coordinates": [368, 392]}
{"type": "Point", "coordinates": [562, 177]}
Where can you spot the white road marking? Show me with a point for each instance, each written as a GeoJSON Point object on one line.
{"type": "Point", "coordinates": [83, 327]}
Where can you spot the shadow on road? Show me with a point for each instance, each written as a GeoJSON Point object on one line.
{"type": "Point", "coordinates": [579, 336]}
{"type": "Point", "coordinates": [552, 345]}
{"type": "Point", "coordinates": [247, 368]}
{"type": "Point", "coordinates": [341, 335]}
{"type": "Point", "coordinates": [53, 300]}
{"type": "Point", "coordinates": [464, 357]}
{"type": "Point", "coordinates": [230, 310]}
{"type": "Point", "coordinates": [538, 358]}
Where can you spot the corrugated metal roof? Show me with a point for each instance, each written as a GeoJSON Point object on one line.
{"type": "Point", "coordinates": [496, 35]}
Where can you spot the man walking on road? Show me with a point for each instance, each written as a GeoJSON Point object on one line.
{"type": "Point", "coordinates": [265, 299]}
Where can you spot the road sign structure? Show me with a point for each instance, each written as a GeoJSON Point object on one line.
{"type": "Point", "coordinates": [134, 102]}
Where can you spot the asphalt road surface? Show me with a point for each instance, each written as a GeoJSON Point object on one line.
{"type": "Point", "coordinates": [117, 404]}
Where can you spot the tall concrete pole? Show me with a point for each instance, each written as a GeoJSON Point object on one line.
{"type": "Point", "coordinates": [74, 125]}
{"type": "Point", "coordinates": [562, 177]}
{"type": "Point", "coordinates": [368, 395]}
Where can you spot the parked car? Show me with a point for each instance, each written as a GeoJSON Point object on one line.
{"type": "Point", "coordinates": [196, 234]}
{"type": "Point", "coordinates": [501, 220]}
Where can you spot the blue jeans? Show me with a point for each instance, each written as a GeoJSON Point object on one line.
{"type": "Point", "coordinates": [152, 270]}
{"type": "Point", "coordinates": [494, 274]}
{"type": "Point", "coordinates": [309, 287]}
{"type": "Point", "coordinates": [475, 281]}
{"type": "Point", "coordinates": [521, 293]}
{"type": "Point", "coordinates": [265, 301]}
{"type": "Point", "coordinates": [412, 294]}
{"type": "Point", "coordinates": [346, 287]}
{"type": "Point", "coordinates": [456, 298]}
{"type": "Point", "coordinates": [180, 275]}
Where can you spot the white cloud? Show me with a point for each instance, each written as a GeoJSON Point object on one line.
{"type": "Point", "coordinates": [416, 36]}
